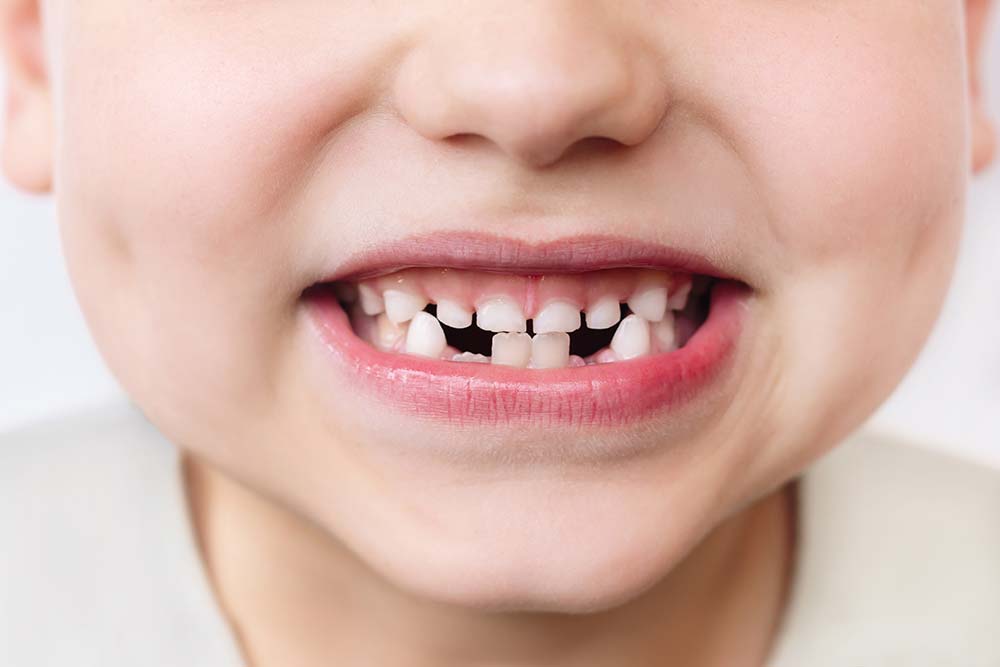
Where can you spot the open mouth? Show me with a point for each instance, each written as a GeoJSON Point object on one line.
{"type": "Point", "coordinates": [534, 321]}
{"type": "Point", "coordinates": [493, 331]}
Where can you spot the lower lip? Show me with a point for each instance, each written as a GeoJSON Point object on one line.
{"type": "Point", "coordinates": [470, 394]}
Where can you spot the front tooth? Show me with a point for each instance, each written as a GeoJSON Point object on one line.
{"type": "Point", "coordinates": [649, 303]}
{"type": "Point", "coordinates": [557, 316]}
{"type": "Point", "coordinates": [678, 300]}
{"type": "Point", "coordinates": [371, 300]}
{"type": "Point", "coordinates": [550, 350]}
{"type": "Point", "coordinates": [453, 314]}
{"type": "Point", "coordinates": [402, 306]}
{"type": "Point", "coordinates": [471, 357]}
{"type": "Point", "coordinates": [512, 349]}
{"type": "Point", "coordinates": [425, 337]}
{"type": "Point", "coordinates": [665, 333]}
{"type": "Point", "coordinates": [604, 313]}
{"type": "Point", "coordinates": [501, 314]}
{"type": "Point", "coordinates": [631, 340]}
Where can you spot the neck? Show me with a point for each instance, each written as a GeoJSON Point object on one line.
{"type": "Point", "coordinates": [295, 596]}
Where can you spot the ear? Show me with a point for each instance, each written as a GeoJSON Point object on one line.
{"type": "Point", "coordinates": [984, 138]}
{"type": "Point", "coordinates": [28, 128]}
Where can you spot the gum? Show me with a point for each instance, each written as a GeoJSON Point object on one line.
{"type": "Point", "coordinates": [471, 288]}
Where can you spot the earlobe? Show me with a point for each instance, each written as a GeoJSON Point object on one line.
{"type": "Point", "coordinates": [983, 129]}
{"type": "Point", "coordinates": [28, 128]}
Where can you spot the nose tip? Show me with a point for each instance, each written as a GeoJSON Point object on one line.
{"type": "Point", "coordinates": [534, 93]}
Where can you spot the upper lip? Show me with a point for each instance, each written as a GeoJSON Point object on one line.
{"type": "Point", "coordinates": [495, 253]}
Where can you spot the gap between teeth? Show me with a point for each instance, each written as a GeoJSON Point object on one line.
{"type": "Point", "coordinates": [402, 325]}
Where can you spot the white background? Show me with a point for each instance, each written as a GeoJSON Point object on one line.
{"type": "Point", "coordinates": [951, 399]}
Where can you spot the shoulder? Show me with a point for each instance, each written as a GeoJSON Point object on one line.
{"type": "Point", "coordinates": [877, 474]}
{"type": "Point", "coordinates": [97, 566]}
{"type": "Point", "coordinates": [900, 557]}
{"type": "Point", "coordinates": [76, 451]}
{"type": "Point", "coordinates": [65, 476]}
{"type": "Point", "coordinates": [896, 496]}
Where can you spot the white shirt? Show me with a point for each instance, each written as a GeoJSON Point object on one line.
{"type": "Point", "coordinates": [898, 563]}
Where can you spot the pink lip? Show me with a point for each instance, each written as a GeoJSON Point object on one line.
{"type": "Point", "coordinates": [487, 252]}
{"type": "Point", "coordinates": [611, 395]}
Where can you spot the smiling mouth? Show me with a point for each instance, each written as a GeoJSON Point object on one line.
{"type": "Point", "coordinates": [487, 330]}
{"type": "Point", "coordinates": [526, 321]}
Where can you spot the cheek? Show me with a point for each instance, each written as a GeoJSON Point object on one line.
{"type": "Point", "coordinates": [859, 149]}
{"type": "Point", "coordinates": [176, 179]}
{"type": "Point", "coordinates": [858, 141]}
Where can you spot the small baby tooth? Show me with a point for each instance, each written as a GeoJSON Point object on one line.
{"type": "Point", "coordinates": [557, 316]}
{"type": "Point", "coordinates": [678, 300]}
{"type": "Point", "coordinates": [604, 313]}
{"type": "Point", "coordinates": [501, 314]}
{"type": "Point", "coordinates": [632, 338]}
{"type": "Point", "coordinates": [371, 300]}
{"type": "Point", "coordinates": [605, 356]}
{"type": "Point", "coordinates": [402, 306]}
{"type": "Point", "coordinates": [471, 357]}
{"type": "Point", "coordinates": [453, 314]}
{"type": "Point", "coordinates": [665, 334]}
{"type": "Point", "coordinates": [550, 350]}
{"type": "Point", "coordinates": [388, 334]}
{"type": "Point", "coordinates": [512, 349]}
{"type": "Point", "coordinates": [425, 336]}
{"type": "Point", "coordinates": [576, 361]}
{"type": "Point", "coordinates": [649, 303]}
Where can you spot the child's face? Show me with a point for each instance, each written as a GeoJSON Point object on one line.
{"type": "Point", "coordinates": [214, 159]}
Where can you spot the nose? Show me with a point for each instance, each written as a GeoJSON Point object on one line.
{"type": "Point", "coordinates": [534, 78]}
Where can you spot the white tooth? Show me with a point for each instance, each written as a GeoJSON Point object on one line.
{"type": "Point", "coordinates": [402, 306]}
{"type": "Point", "coordinates": [388, 334]}
{"type": "Point", "coordinates": [604, 356]}
{"type": "Point", "coordinates": [632, 338]}
{"type": "Point", "coordinates": [511, 349]}
{"type": "Point", "coordinates": [470, 357]}
{"type": "Point", "coordinates": [557, 316]}
{"type": "Point", "coordinates": [665, 334]}
{"type": "Point", "coordinates": [425, 337]}
{"type": "Point", "coordinates": [550, 350]}
{"type": "Point", "coordinates": [649, 303]}
{"type": "Point", "coordinates": [604, 313]}
{"type": "Point", "coordinates": [678, 300]}
{"type": "Point", "coordinates": [453, 314]}
{"type": "Point", "coordinates": [371, 300]}
{"type": "Point", "coordinates": [501, 314]}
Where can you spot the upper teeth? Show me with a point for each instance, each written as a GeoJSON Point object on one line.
{"type": "Point", "coordinates": [453, 314]}
{"type": "Point", "coordinates": [678, 300]}
{"type": "Point", "coordinates": [650, 303]}
{"type": "Point", "coordinates": [557, 316]}
{"type": "Point", "coordinates": [501, 314]}
{"type": "Point", "coordinates": [402, 306]}
{"type": "Point", "coordinates": [371, 300]}
{"type": "Point", "coordinates": [604, 313]}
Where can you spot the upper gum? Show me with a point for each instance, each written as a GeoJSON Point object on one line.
{"type": "Point", "coordinates": [470, 288]}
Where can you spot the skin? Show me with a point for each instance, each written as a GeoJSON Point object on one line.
{"type": "Point", "coordinates": [210, 159]}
